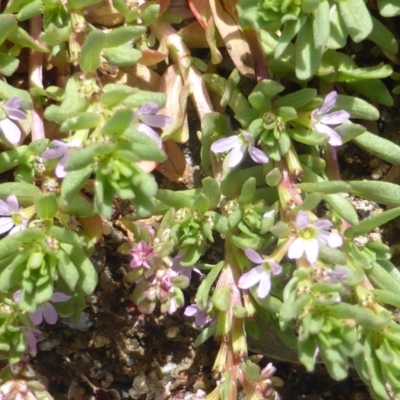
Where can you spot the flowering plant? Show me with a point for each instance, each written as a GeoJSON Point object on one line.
{"type": "Point", "coordinates": [100, 137]}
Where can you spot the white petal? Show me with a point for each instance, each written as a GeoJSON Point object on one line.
{"type": "Point", "coordinates": [250, 278]}
{"type": "Point", "coordinates": [253, 256]}
{"type": "Point", "coordinates": [225, 144]}
{"type": "Point", "coordinates": [311, 249]}
{"type": "Point", "coordinates": [257, 155]}
{"type": "Point", "coordinates": [11, 131]}
{"type": "Point", "coordinates": [264, 286]}
{"type": "Point", "coordinates": [334, 138]}
{"type": "Point", "coordinates": [6, 223]}
{"type": "Point", "coordinates": [328, 103]}
{"type": "Point", "coordinates": [296, 249]}
{"type": "Point", "coordinates": [236, 155]}
{"type": "Point", "coordinates": [335, 118]}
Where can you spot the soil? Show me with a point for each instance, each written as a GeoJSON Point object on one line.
{"type": "Point", "coordinates": [115, 352]}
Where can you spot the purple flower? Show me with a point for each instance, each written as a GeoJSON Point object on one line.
{"type": "Point", "coordinates": [185, 271]}
{"type": "Point", "coordinates": [201, 316]}
{"type": "Point", "coordinates": [45, 311]}
{"type": "Point", "coordinates": [141, 255]}
{"type": "Point", "coordinates": [237, 146]}
{"type": "Point", "coordinates": [260, 274]}
{"type": "Point", "coordinates": [64, 151]}
{"type": "Point", "coordinates": [30, 334]}
{"type": "Point", "coordinates": [11, 216]}
{"type": "Point", "coordinates": [12, 110]}
{"type": "Point", "coordinates": [147, 114]}
{"type": "Point", "coordinates": [321, 119]}
{"type": "Point", "coordinates": [309, 237]}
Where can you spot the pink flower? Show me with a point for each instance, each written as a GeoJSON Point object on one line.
{"type": "Point", "coordinates": [141, 255]}
{"type": "Point", "coordinates": [321, 119]}
{"type": "Point", "coordinates": [309, 237]}
{"type": "Point", "coordinates": [12, 109]}
{"type": "Point", "coordinates": [63, 150]}
{"type": "Point", "coordinates": [11, 218]}
{"type": "Point", "coordinates": [30, 334]}
{"type": "Point", "coordinates": [237, 146]}
{"type": "Point", "coordinates": [148, 116]}
{"type": "Point", "coordinates": [201, 316]}
{"type": "Point", "coordinates": [260, 274]}
{"type": "Point", "coordinates": [46, 310]}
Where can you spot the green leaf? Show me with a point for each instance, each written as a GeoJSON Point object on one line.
{"type": "Point", "coordinates": [388, 8]}
{"type": "Point", "coordinates": [380, 147]}
{"type": "Point", "coordinates": [361, 315]}
{"type": "Point", "coordinates": [7, 91]}
{"type": "Point", "coordinates": [8, 24]}
{"type": "Point", "coordinates": [78, 206]}
{"type": "Point", "coordinates": [91, 49]}
{"type": "Point", "coordinates": [12, 274]}
{"type": "Point", "coordinates": [104, 195]}
{"type": "Point", "coordinates": [375, 72]}
{"type": "Point", "coordinates": [203, 291]}
{"type": "Point", "coordinates": [308, 55]}
{"type": "Point", "coordinates": [54, 35]}
{"type": "Point", "coordinates": [46, 206]}
{"type": "Point", "coordinates": [338, 36]}
{"type": "Point", "coordinates": [221, 298]}
{"type": "Point", "coordinates": [357, 19]}
{"type": "Point", "coordinates": [205, 334]}
{"type": "Point", "coordinates": [248, 191]}
{"type": "Point", "coordinates": [25, 192]}
{"type": "Point", "coordinates": [123, 34]}
{"type": "Point", "coordinates": [357, 107]}
{"type": "Point", "coordinates": [30, 10]}
{"type": "Point", "coordinates": [374, 89]}
{"type": "Point", "coordinates": [118, 123]}
{"type": "Point", "coordinates": [67, 270]}
{"type": "Point", "coordinates": [191, 256]}
{"type": "Point", "coordinates": [10, 159]}
{"type": "Point", "coordinates": [349, 131]}
{"type": "Point", "coordinates": [22, 38]}
{"type": "Point", "coordinates": [79, 4]}
{"type": "Point", "coordinates": [290, 30]}
{"type": "Point", "coordinates": [85, 120]}
{"type": "Point", "coordinates": [87, 273]}
{"type": "Point", "coordinates": [369, 224]}
{"type": "Point", "coordinates": [8, 64]}
{"type": "Point", "coordinates": [201, 203]}
{"type": "Point", "coordinates": [73, 183]}
{"type": "Point", "coordinates": [383, 37]}
{"type": "Point", "coordinates": [73, 103]}
{"type": "Point", "coordinates": [321, 24]}
{"type": "Point", "coordinates": [343, 207]}
{"type": "Point", "coordinates": [212, 191]}
{"type": "Point", "coordinates": [297, 100]}
{"type": "Point", "coordinates": [307, 136]}
{"type": "Point", "coordinates": [307, 349]}
{"type": "Point", "coordinates": [122, 56]}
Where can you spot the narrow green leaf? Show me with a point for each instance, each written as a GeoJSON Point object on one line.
{"type": "Point", "coordinates": [357, 19]}
{"type": "Point", "coordinates": [383, 37]}
{"type": "Point", "coordinates": [308, 56]}
{"type": "Point", "coordinates": [380, 147]}
{"type": "Point", "coordinates": [356, 107]}
{"type": "Point", "coordinates": [321, 24]}
{"type": "Point", "coordinates": [91, 49]}
{"type": "Point", "coordinates": [73, 183]}
{"type": "Point", "coordinates": [25, 192]}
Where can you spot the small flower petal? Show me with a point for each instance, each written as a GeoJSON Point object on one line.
{"type": "Point", "coordinates": [253, 256]}
{"type": "Point", "coordinates": [257, 155]}
{"type": "Point", "coordinates": [37, 316]}
{"type": "Point", "coordinates": [6, 223]}
{"type": "Point", "coordinates": [236, 155]}
{"type": "Point", "coordinates": [13, 203]}
{"type": "Point", "coordinates": [59, 297]}
{"type": "Point", "coordinates": [151, 133]}
{"type": "Point", "coordinates": [334, 138]}
{"type": "Point", "coordinates": [335, 118]}
{"type": "Point", "coordinates": [296, 249]}
{"type": "Point", "coordinates": [264, 286]}
{"type": "Point", "coordinates": [156, 121]}
{"type": "Point", "coordinates": [252, 277]}
{"type": "Point", "coordinates": [328, 103]}
{"type": "Point", "coordinates": [225, 144]}
{"type": "Point", "coordinates": [311, 248]}
{"type": "Point", "coordinates": [10, 130]}
{"type": "Point", "coordinates": [49, 313]}
{"type": "Point", "coordinates": [302, 219]}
